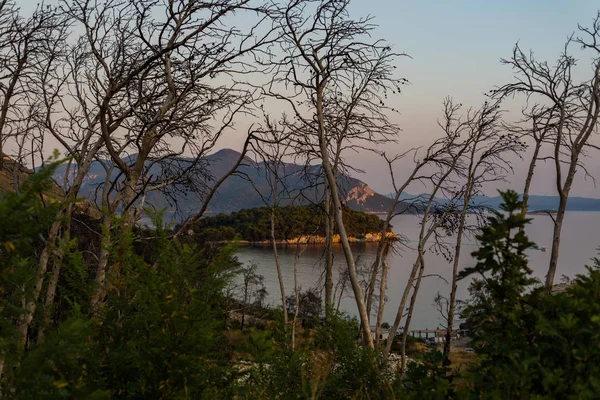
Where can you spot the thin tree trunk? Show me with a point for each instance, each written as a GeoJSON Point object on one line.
{"type": "Point", "coordinates": [452, 305]}
{"type": "Point", "coordinates": [30, 304]}
{"type": "Point", "coordinates": [410, 312]}
{"type": "Point", "coordinates": [102, 263]}
{"type": "Point", "coordinates": [529, 177]}
{"type": "Point", "coordinates": [337, 206]}
{"type": "Point", "coordinates": [275, 254]}
{"type": "Point", "coordinates": [457, 249]}
{"type": "Point", "coordinates": [329, 222]}
{"type": "Point", "coordinates": [373, 281]}
{"type": "Point", "coordinates": [423, 238]}
{"type": "Point", "coordinates": [64, 213]}
{"type": "Point", "coordinates": [383, 245]}
{"type": "Point", "coordinates": [340, 298]}
{"type": "Point", "coordinates": [382, 289]}
{"type": "Point", "coordinates": [394, 329]}
{"type": "Point", "coordinates": [560, 215]}
{"type": "Point", "coordinates": [10, 89]}
{"type": "Point", "coordinates": [297, 296]}
{"type": "Point", "coordinates": [53, 283]}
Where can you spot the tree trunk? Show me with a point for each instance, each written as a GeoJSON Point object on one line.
{"type": "Point", "coordinates": [64, 213]}
{"type": "Point", "coordinates": [276, 255]}
{"type": "Point", "coordinates": [329, 221]}
{"type": "Point", "coordinates": [297, 297]}
{"type": "Point", "coordinates": [102, 263]}
{"type": "Point", "coordinates": [452, 305]}
{"type": "Point", "coordinates": [382, 289]}
{"type": "Point", "coordinates": [53, 283]}
{"type": "Point", "coordinates": [529, 178]}
{"type": "Point", "coordinates": [394, 329]}
{"type": "Point", "coordinates": [410, 312]}
{"type": "Point", "coordinates": [30, 304]}
{"type": "Point", "coordinates": [337, 207]}
{"type": "Point", "coordinates": [560, 215]}
{"type": "Point", "coordinates": [556, 241]}
{"type": "Point", "coordinates": [457, 249]}
{"type": "Point", "coordinates": [373, 281]}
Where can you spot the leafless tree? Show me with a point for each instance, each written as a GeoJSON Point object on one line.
{"type": "Point", "coordinates": [26, 44]}
{"type": "Point", "coordinates": [324, 53]}
{"type": "Point", "coordinates": [569, 108]}
{"type": "Point", "coordinates": [175, 101]}
{"type": "Point", "coordinates": [136, 78]}
{"type": "Point", "coordinates": [487, 160]}
{"type": "Point", "coordinates": [442, 306]}
{"type": "Point", "coordinates": [443, 181]}
{"type": "Point", "coordinates": [252, 286]}
{"type": "Point", "coordinates": [270, 149]}
{"type": "Point", "coordinates": [537, 125]}
{"type": "Point", "coordinates": [434, 156]}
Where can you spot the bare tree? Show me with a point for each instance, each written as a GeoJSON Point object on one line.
{"type": "Point", "coordinates": [252, 286]}
{"type": "Point", "coordinates": [487, 160]}
{"type": "Point", "coordinates": [137, 81]}
{"type": "Point", "coordinates": [435, 156]}
{"type": "Point", "coordinates": [271, 148]}
{"type": "Point", "coordinates": [569, 108]}
{"type": "Point", "coordinates": [537, 124]}
{"type": "Point", "coordinates": [443, 182]}
{"type": "Point", "coordinates": [25, 45]}
{"type": "Point", "coordinates": [323, 51]}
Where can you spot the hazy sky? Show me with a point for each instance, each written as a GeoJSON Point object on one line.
{"type": "Point", "coordinates": [455, 48]}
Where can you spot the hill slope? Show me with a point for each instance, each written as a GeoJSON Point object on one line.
{"type": "Point", "coordinates": [250, 188]}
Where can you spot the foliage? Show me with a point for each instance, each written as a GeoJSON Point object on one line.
{"type": "Point", "coordinates": [429, 377]}
{"type": "Point", "coordinates": [331, 365]}
{"type": "Point", "coordinates": [24, 217]}
{"type": "Point", "coordinates": [158, 333]}
{"type": "Point", "coordinates": [290, 223]}
{"type": "Point", "coordinates": [310, 305]}
{"type": "Point", "coordinates": [530, 343]}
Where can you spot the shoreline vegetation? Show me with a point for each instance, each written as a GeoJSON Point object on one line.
{"type": "Point", "coordinates": [316, 239]}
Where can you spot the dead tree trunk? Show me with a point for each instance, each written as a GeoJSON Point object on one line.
{"type": "Point", "coordinates": [329, 223]}
{"type": "Point", "coordinates": [411, 308]}
{"type": "Point", "coordinates": [274, 243]}
{"type": "Point", "coordinates": [337, 209]}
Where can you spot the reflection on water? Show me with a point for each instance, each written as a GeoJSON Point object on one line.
{"type": "Point", "coordinates": [579, 244]}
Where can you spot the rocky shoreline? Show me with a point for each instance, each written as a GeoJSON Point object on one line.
{"type": "Point", "coordinates": [318, 239]}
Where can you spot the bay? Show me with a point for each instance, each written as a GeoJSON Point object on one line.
{"type": "Point", "coordinates": [579, 243]}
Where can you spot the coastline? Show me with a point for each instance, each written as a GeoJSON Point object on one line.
{"type": "Point", "coordinates": [318, 239]}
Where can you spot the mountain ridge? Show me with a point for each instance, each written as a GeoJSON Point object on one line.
{"type": "Point", "coordinates": [249, 188]}
{"type": "Point", "coordinates": [535, 203]}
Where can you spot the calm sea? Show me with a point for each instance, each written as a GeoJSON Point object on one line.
{"type": "Point", "coordinates": [579, 244]}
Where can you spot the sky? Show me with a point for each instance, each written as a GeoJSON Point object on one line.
{"type": "Point", "coordinates": [455, 47]}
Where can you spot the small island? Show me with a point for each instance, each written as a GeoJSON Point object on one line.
{"type": "Point", "coordinates": [293, 225]}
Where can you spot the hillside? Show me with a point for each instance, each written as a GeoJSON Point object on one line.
{"type": "Point", "coordinates": [303, 186]}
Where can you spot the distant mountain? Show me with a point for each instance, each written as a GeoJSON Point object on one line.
{"type": "Point", "coordinates": [542, 203]}
{"type": "Point", "coordinates": [302, 186]}
{"type": "Point", "coordinates": [536, 202]}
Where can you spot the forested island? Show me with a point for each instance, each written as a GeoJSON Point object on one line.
{"type": "Point", "coordinates": [292, 224]}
